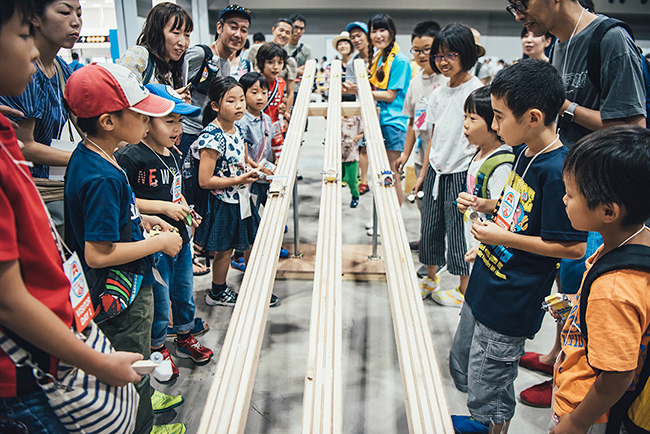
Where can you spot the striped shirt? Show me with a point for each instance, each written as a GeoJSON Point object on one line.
{"type": "Point", "coordinates": [43, 101]}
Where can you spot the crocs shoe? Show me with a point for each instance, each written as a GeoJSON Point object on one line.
{"type": "Point", "coordinates": [427, 286]}
{"type": "Point", "coordinates": [284, 253]}
{"type": "Point", "coordinates": [190, 348]}
{"type": "Point", "coordinates": [469, 425]}
{"type": "Point", "coordinates": [175, 371]}
{"type": "Point", "coordinates": [162, 403]}
{"type": "Point", "coordinates": [448, 297]}
{"type": "Point", "coordinates": [539, 395]}
{"type": "Point", "coordinates": [172, 428]}
{"type": "Point", "coordinates": [531, 361]}
{"type": "Point", "coordinates": [237, 264]}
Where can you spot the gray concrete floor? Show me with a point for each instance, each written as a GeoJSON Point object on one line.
{"type": "Point", "coordinates": [372, 388]}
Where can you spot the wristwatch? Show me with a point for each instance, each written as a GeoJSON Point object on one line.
{"type": "Point", "coordinates": [570, 111]}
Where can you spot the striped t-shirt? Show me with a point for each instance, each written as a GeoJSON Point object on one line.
{"type": "Point", "coordinates": [43, 101]}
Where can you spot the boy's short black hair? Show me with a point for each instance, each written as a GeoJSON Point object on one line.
{"type": "Point", "coordinates": [608, 164]}
{"type": "Point", "coordinates": [529, 84]}
{"type": "Point", "coordinates": [249, 79]}
{"type": "Point", "coordinates": [425, 28]}
{"type": "Point", "coordinates": [258, 37]}
{"type": "Point", "coordinates": [284, 20]}
{"type": "Point", "coordinates": [269, 51]}
{"type": "Point", "coordinates": [297, 17]}
{"type": "Point", "coordinates": [480, 103]}
{"type": "Point", "coordinates": [459, 38]}
{"type": "Point", "coordinates": [90, 126]}
{"type": "Point", "coordinates": [9, 7]}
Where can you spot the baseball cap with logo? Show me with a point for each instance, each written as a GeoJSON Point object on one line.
{"type": "Point", "coordinates": [102, 88]}
{"type": "Point", "coordinates": [360, 24]}
{"type": "Point", "coordinates": [180, 107]}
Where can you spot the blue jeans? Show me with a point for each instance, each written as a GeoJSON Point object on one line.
{"type": "Point", "coordinates": [34, 411]}
{"type": "Point", "coordinates": [484, 363]}
{"type": "Point", "coordinates": [177, 274]}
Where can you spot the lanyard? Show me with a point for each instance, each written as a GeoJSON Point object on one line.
{"type": "Point", "coordinates": [110, 160]}
{"type": "Point", "coordinates": [265, 135]}
{"type": "Point", "coordinates": [532, 159]}
{"type": "Point", "coordinates": [163, 161]}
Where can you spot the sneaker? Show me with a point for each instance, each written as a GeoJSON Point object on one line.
{"type": "Point", "coordinates": [274, 301]}
{"type": "Point", "coordinates": [467, 424]}
{"type": "Point", "coordinates": [162, 403]}
{"type": "Point", "coordinates": [286, 228]}
{"type": "Point", "coordinates": [237, 265]}
{"type": "Point", "coordinates": [200, 328]}
{"type": "Point", "coordinates": [448, 297]}
{"type": "Point", "coordinates": [172, 428]}
{"type": "Point", "coordinates": [227, 297]}
{"type": "Point", "coordinates": [422, 271]}
{"type": "Point", "coordinates": [539, 395]}
{"type": "Point", "coordinates": [190, 348]}
{"type": "Point", "coordinates": [354, 202]}
{"type": "Point", "coordinates": [414, 245]}
{"type": "Point", "coordinates": [370, 224]}
{"type": "Point", "coordinates": [344, 184]}
{"type": "Point", "coordinates": [531, 361]}
{"type": "Point", "coordinates": [369, 232]}
{"type": "Point", "coordinates": [427, 286]}
{"type": "Point", "coordinates": [175, 371]}
{"type": "Point", "coordinates": [284, 253]}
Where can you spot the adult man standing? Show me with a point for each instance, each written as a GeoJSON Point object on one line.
{"type": "Point", "coordinates": [232, 31]}
{"type": "Point", "coordinates": [298, 50]}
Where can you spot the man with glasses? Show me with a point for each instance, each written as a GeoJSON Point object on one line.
{"type": "Point", "coordinates": [296, 49]}
{"type": "Point", "coordinates": [621, 100]}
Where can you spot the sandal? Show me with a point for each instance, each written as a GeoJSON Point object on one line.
{"type": "Point", "coordinates": [199, 269]}
{"type": "Point", "coordinates": [363, 188]}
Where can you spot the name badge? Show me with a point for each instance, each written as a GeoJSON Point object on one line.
{"type": "Point", "coordinates": [176, 188]}
{"type": "Point", "coordinates": [277, 130]}
{"type": "Point", "coordinates": [82, 305]}
{"type": "Point", "coordinates": [419, 120]}
{"type": "Point", "coordinates": [506, 213]}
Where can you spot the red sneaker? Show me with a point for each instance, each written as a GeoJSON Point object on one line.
{"type": "Point", "coordinates": [539, 395]}
{"type": "Point", "coordinates": [190, 348]}
{"type": "Point", "coordinates": [175, 371]}
{"type": "Point", "coordinates": [531, 361]}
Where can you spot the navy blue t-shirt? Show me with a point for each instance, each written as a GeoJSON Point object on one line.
{"type": "Point", "coordinates": [100, 204]}
{"type": "Point", "coordinates": [507, 286]}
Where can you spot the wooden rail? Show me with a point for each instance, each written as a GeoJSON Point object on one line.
{"type": "Point", "coordinates": [426, 404]}
{"type": "Point", "coordinates": [322, 401]}
{"type": "Point", "coordinates": [227, 405]}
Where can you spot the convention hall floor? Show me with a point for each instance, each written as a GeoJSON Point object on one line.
{"type": "Point", "coordinates": [373, 400]}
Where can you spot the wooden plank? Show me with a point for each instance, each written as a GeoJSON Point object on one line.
{"type": "Point", "coordinates": [348, 108]}
{"type": "Point", "coordinates": [426, 404]}
{"type": "Point", "coordinates": [227, 405]}
{"type": "Point", "coordinates": [322, 399]}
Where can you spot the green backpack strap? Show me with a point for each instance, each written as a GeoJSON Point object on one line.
{"type": "Point", "coordinates": [487, 168]}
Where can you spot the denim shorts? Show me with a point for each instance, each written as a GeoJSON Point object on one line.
{"type": "Point", "coordinates": [484, 363]}
{"type": "Point", "coordinates": [394, 138]}
{"type": "Point", "coordinates": [32, 411]}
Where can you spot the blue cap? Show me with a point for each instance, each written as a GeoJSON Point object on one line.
{"type": "Point", "coordinates": [180, 107]}
{"type": "Point", "coordinates": [363, 26]}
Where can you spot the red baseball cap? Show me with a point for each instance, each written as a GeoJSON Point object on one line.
{"type": "Point", "coordinates": [102, 88]}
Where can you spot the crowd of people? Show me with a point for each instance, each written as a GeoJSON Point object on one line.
{"type": "Point", "coordinates": [526, 176]}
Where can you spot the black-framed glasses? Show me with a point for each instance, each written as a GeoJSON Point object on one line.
{"type": "Point", "coordinates": [425, 51]}
{"type": "Point", "coordinates": [516, 6]}
{"type": "Point", "coordinates": [448, 57]}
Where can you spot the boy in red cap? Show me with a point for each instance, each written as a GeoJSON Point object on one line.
{"type": "Point", "coordinates": [104, 225]}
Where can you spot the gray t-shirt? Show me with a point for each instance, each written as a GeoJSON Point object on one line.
{"type": "Point", "coordinates": [302, 56]}
{"type": "Point", "coordinates": [194, 58]}
{"type": "Point", "coordinates": [621, 78]}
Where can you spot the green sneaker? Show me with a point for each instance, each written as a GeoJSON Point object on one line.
{"type": "Point", "coordinates": [172, 428]}
{"type": "Point", "coordinates": [161, 402]}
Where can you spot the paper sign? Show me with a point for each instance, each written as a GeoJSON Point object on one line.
{"type": "Point", "coordinates": [506, 212]}
{"type": "Point", "coordinates": [82, 305]}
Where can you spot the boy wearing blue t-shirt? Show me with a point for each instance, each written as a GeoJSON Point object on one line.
{"type": "Point", "coordinates": [103, 223]}
{"type": "Point", "coordinates": [520, 248]}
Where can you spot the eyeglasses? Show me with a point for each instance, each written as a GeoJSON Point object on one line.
{"type": "Point", "coordinates": [448, 57]}
{"type": "Point", "coordinates": [516, 6]}
{"type": "Point", "coordinates": [425, 51]}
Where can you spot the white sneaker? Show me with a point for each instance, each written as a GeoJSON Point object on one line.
{"type": "Point", "coordinates": [370, 225]}
{"type": "Point", "coordinates": [448, 297]}
{"type": "Point", "coordinates": [428, 286]}
{"type": "Point", "coordinates": [369, 232]}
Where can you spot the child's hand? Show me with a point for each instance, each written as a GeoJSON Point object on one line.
{"type": "Point", "coordinates": [247, 177]}
{"type": "Point", "coordinates": [418, 184]}
{"type": "Point", "coordinates": [349, 87]}
{"type": "Point", "coordinates": [465, 200]}
{"type": "Point", "coordinates": [470, 256]}
{"type": "Point", "coordinates": [488, 232]}
{"type": "Point", "coordinates": [116, 369]}
{"type": "Point", "coordinates": [400, 162]}
{"type": "Point", "coordinates": [149, 221]}
{"type": "Point", "coordinates": [170, 243]}
{"type": "Point", "coordinates": [566, 426]}
{"type": "Point", "coordinates": [265, 171]}
{"type": "Point", "coordinates": [357, 138]}
{"type": "Point", "coordinates": [176, 211]}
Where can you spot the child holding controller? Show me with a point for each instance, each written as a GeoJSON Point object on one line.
{"type": "Point", "coordinates": [231, 220]}
{"type": "Point", "coordinates": [520, 247]}
{"type": "Point", "coordinates": [155, 175]}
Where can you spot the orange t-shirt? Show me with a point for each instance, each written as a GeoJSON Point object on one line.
{"type": "Point", "coordinates": [619, 331]}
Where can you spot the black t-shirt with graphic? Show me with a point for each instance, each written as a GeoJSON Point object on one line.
{"type": "Point", "coordinates": [152, 179]}
{"type": "Point", "coordinates": [507, 286]}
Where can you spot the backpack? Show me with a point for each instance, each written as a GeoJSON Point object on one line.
{"type": "Point", "coordinates": [207, 72]}
{"type": "Point", "coordinates": [633, 409]}
{"type": "Point", "coordinates": [297, 51]}
{"type": "Point", "coordinates": [593, 58]}
{"type": "Point", "coordinates": [487, 168]}
{"type": "Point", "coordinates": [148, 72]}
